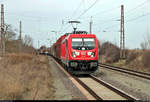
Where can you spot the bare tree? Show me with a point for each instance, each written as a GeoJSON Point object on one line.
{"type": "Point", "coordinates": [10, 34]}
{"type": "Point", "coordinates": [28, 41]}
{"type": "Point", "coordinates": [148, 40]}
{"type": "Point", "coordinates": [144, 45]}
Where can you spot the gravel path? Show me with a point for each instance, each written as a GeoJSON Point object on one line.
{"type": "Point", "coordinates": [138, 87]}
{"type": "Point", "coordinates": [65, 89]}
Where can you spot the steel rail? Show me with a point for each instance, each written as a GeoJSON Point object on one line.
{"type": "Point", "coordinates": [116, 90]}
{"type": "Point", "coordinates": [89, 89]}
{"type": "Point", "coordinates": [127, 71]}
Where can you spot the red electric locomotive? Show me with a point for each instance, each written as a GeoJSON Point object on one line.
{"type": "Point", "coordinates": [78, 52]}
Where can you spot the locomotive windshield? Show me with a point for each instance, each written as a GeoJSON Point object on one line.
{"type": "Point", "coordinates": [83, 43]}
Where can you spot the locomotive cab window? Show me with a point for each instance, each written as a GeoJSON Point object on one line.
{"type": "Point", "coordinates": [89, 43]}
{"type": "Point", "coordinates": [76, 41]}
{"type": "Point", "coordinates": [83, 43]}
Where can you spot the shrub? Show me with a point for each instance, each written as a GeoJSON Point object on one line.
{"type": "Point", "coordinates": [146, 58]}
{"type": "Point", "coordinates": [131, 56]}
{"type": "Point", "coordinates": [111, 52]}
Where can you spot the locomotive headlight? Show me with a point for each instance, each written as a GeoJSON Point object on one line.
{"type": "Point", "coordinates": [89, 53]}
{"type": "Point", "coordinates": [77, 53]}
{"type": "Point", "coordinates": [92, 54]}
{"type": "Point", "coordinates": [73, 54]}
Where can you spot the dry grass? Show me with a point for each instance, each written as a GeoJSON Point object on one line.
{"type": "Point", "coordinates": [13, 47]}
{"type": "Point", "coordinates": [25, 76]}
{"type": "Point", "coordinates": [137, 60]}
{"type": "Point", "coordinates": [146, 58]}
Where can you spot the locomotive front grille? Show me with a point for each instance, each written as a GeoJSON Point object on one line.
{"type": "Point", "coordinates": [83, 65]}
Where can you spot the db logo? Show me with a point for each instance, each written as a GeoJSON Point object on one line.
{"type": "Point", "coordinates": [83, 53]}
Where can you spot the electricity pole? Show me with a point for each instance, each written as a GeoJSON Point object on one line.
{"type": "Point", "coordinates": [38, 44]}
{"type": "Point", "coordinates": [20, 36]}
{"type": "Point", "coordinates": [55, 34]}
{"type": "Point", "coordinates": [2, 31]}
{"type": "Point", "coordinates": [38, 47]}
{"type": "Point", "coordinates": [122, 35]}
{"type": "Point", "coordinates": [91, 22]}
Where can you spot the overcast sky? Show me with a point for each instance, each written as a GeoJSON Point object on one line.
{"type": "Point", "coordinates": [40, 17]}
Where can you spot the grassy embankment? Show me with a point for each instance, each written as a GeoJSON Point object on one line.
{"type": "Point", "coordinates": [25, 76]}
{"type": "Point", "coordinates": [137, 60]}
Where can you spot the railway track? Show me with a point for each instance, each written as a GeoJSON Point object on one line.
{"type": "Point", "coordinates": [102, 90]}
{"type": "Point", "coordinates": [127, 71]}
{"type": "Point", "coordinates": [98, 89]}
